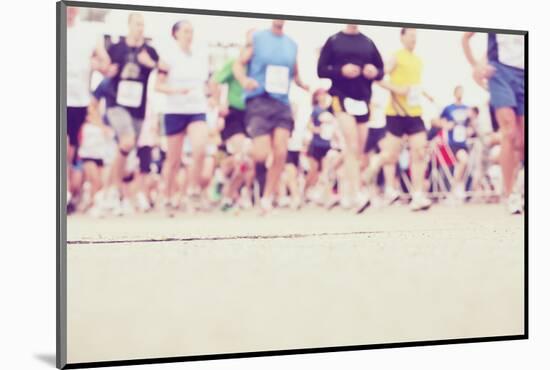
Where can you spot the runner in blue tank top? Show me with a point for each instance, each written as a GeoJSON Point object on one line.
{"type": "Point", "coordinates": [265, 69]}
{"type": "Point", "coordinates": [502, 72]}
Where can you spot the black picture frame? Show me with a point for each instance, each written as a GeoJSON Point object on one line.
{"type": "Point", "coordinates": [61, 186]}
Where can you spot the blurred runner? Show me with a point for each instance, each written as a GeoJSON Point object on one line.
{"type": "Point", "coordinates": [132, 60]}
{"type": "Point", "coordinates": [457, 124]}
{"type": "Point", "coordinates": [351, 61]}
{"type": "Point", "coordinates": [183, 75]}
{"type": "Point", "coordinates": [232, 108]}
{"type": "Point", "coordinates": [265, 69]}
{"type": "Point", "coordinates": [322, 127]}
{"type": "Point", "coordinates": [85, 51]}
{"type": "Point", "coordinates": [503, 74]}
{"type": "Point", "coordinates": [404, 117]}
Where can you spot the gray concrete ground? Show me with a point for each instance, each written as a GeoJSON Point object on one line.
{"type": "Point", "coordinates": [148, 286]}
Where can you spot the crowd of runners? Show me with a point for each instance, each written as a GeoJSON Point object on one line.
{"type": "Point", "coordinates": [226, 139]}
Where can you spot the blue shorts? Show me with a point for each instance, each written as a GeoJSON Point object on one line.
{"type": "Point", "coordinates": [177, 123]}
{"type": "Point", "coordinates": [506, 87]}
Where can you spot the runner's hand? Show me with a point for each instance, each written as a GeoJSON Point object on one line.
{"type": "Point", "coordinates": [111, 70]}
{"type": "Point", "coordinates": [145, 59]}
{"type": "Point", "coordinates": [250, 84]}
{"type": "Point", "coordinates": [224, 111]}
{"type": "Point", "coordinates": [482, 72]}
{"type": "Point", "coordinates": [370, 71]}
{"type": "Point", "coordinates": [182, 91]}
{"type": "Point", "coordinates": [351, 70]}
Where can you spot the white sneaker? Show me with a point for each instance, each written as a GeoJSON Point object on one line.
{"type": "Point", "coordinates": [96, 211]}
{"type": "Point", "coordinates": [295, 204]}
{"type": "Point", "coordinates": [245, 201]}
{"type": "Point", "coordinates": [514, 204]}
{"type": "Point", "coordinates": [391, 195]}
{"type": "Point", "coordinates": [345, 202]}
{"type": "Point", "coordinates": [362, 202]}
{"type": "Point", "coordinates": [126, 207]}
{"type": "Point", "coordinates": [420, 202]}
{"type": "Point", "coordinates": [266, 205]}
{"type": "Point", "coordinates": [283, 201]}
{"type": "Point", "coordinates": [459, 195]}
{"type": "Point", "coordinates": [142, 202]}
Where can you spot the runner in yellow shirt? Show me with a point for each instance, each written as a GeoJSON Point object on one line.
{"type": "Point", "coordinates": [404, 117]}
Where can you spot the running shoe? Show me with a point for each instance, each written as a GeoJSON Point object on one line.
{"type": "Point", "coordinates": [142, 202]}
{"type": "Point", "coordinates": [266, 205]}
{"type": "Point", "coordinates": [245, 201]}
{"type": "Point", "coordinates": [391, 195]}
{"type": "Point", "coordinates": [420, 202]}
{"type": "Point", "coordinates": [227, 204]}
{"type": "Point", "coordinates": [362, 202]}
{"type": "Point", "coordinates": [514, 204]}
{"type": "Point", "coordinates": [283, 201]}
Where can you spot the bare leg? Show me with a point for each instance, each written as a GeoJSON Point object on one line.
{"type": "Point", "coordinates": [351, 152]}
{"type": "Point", "coordinates": [280, 148]}
{"type": "Point", "coordinates": [418, 143]}
{"type": "Point", "coordinates": [198, 136]}
{"type": "Point", "coordinates": [506, 118]}
{"type": "Point", "coordinates": [172, 164]}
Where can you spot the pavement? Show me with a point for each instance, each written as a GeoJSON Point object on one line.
{"type": "Point", "coordinates": [149, 286]}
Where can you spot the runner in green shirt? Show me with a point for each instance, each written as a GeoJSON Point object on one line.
{"type": "Point", "coordinates": [232, 108]}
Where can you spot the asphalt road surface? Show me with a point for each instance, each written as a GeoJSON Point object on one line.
{"type": "Point", "coordinates": [147, 286]}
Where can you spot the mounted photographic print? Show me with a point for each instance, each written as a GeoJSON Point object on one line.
{"type": "Point", "coordinates": [239, 184]}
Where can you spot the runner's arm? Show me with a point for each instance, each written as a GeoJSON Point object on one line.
{"type": "Point", "coordinates": [161, 84]}
{"type": "Point", "coordinates": [399, 90]}
{"type": "Point", "coordinates": [378, 63]}
{"type": "Point", "coordinates": [389, 66]}
{"type": "Point", "coordinates": [298, 79]}
{"type": "Point", "coordinates": [324, 67]}
{"type": "Point", "coordinates": [239, 67]}
{"type": "Point", "coordinates": [466, 47]}
{"type": "Point", "coordinates": [101, 56]}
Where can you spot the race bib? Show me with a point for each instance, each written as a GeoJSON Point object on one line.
{"type": "Point", "coordinates": [459, 134]}
{"type": "Point", "coordinates": [413, 97]}
{"type": "Point", "coordinates": [327, 130]}
{"type": "Point", "coordinates": [356, 107]}
{"type": "Point", "coordinates": [276, 79]}
{"type": "Point", "coordinates": [129, 93]}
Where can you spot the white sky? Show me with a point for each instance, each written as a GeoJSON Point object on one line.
{"type": "Point", "coordinates": [444, 63]}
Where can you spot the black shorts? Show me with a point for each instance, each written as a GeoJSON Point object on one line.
{"type": "Point", "coordinates": [234, 124]}
{"type": "Point", "coordinates": [145, 159]}
{"type": "Point", "coordinates": [75, 119]}
{"type": "Point", "coordinates": [337, 106]}
{"type": "Point", "coordinates": [293, 157]}
{"type": "Point", "coordinates": [176, 123]}
{"type": "Point", "coordinates": [98, 162]}
{"type": "Point", "coordinates": [318, 152]}
{"type": "Point", "coordinates": [128, 178]}
{"type": "Point", "coordinates": [373, 139]}
{"type": "Point", "coordinates": [404, 125]}
{"type": "Point", "coordinates": [456, 148]}
{"type": "Point", "coordinates": [264, 114]}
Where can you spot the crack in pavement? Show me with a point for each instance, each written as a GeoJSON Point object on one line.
{"type": "Point", "coordinates": [240, 237]}
{"type": "Point", "coordinates": [217, 238]}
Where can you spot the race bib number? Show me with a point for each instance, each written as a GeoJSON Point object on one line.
{"type": "Point", "coordinates": [356, 107]}
{"type": "Point", "coordinates": [413, 97]}
{"type": "Point", "coordinates": [277, 79]}
{"type": "Point", "coordinates": [459, 134]}
{"type": "Point", "coordinates": [129, 93]}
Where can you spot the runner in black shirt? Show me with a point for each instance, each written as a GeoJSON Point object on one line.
{"type": "Point", "coordinates": [132, 60]}
{"type": "Point", "coordinates": [352, 62]}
